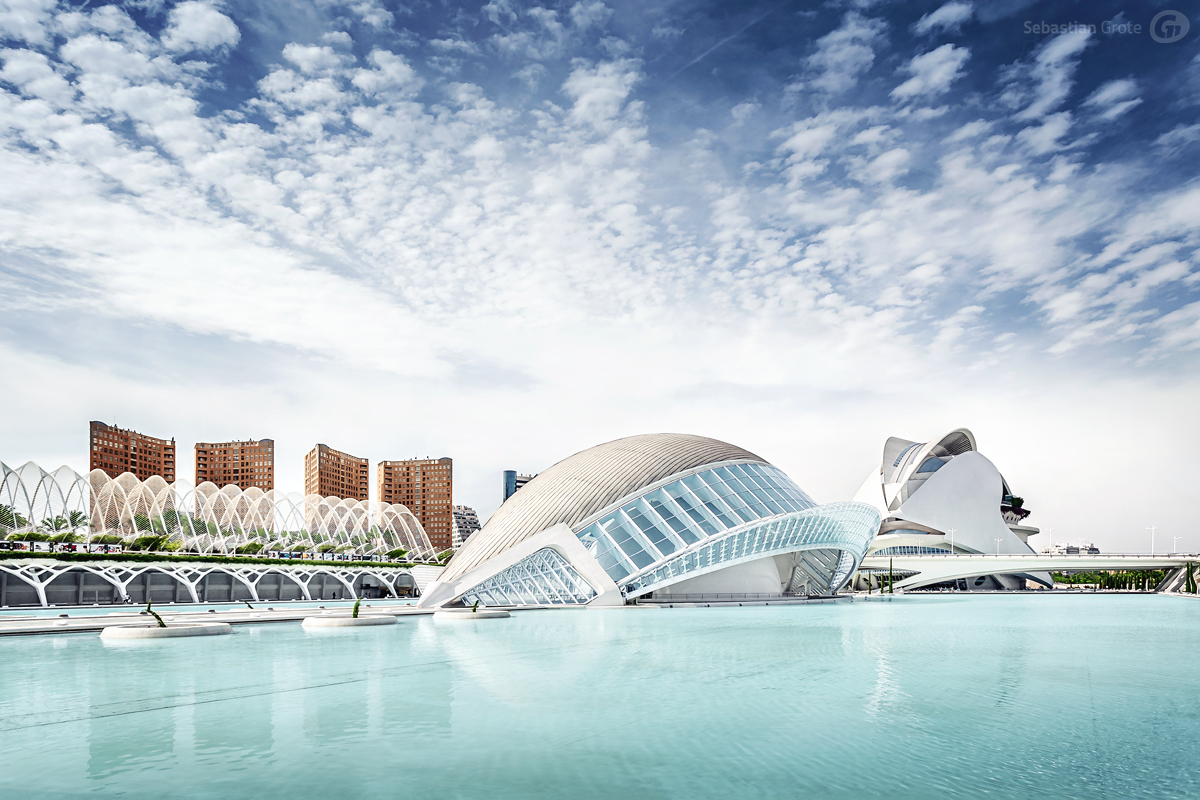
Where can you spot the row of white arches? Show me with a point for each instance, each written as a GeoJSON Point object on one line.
{"type": "Point", "coordinates": [204, 518]}
{"type": "Point", "coordinates": [25, 583]}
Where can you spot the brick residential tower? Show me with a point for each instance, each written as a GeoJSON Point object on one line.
{"type": "Point", "coordinates": [332, 473]}
{"type": "Point", "coordinates": [426, 487]}
{"type": "Point", "coordinates": [117, 450]}
{"type": "Point", "coordinates": [244, 464]}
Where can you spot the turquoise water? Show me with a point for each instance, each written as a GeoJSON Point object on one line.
{"type": "Point", "coordinates": [980, 697]}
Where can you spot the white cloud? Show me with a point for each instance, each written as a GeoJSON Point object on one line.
{"type": "Point", "coordinates": [590, 14]}
{"type": "Point", "coordinates": [932, 72]}
{"type": "Point", "coordinates": [364, 222]}
{"type": "Point", "coordinates": [949, 17]}
{"type": "Point", "coordinates": [845, 53]}
{"type": "Point", "coordinates": [1178, 139]}
{"type": "Point", "coordinates": [1113, 99]}
{"type": "Point", "coordinates": [198, 25]}
{"type": "Point", "coordinates": [26, 20]}
{"type": "Point", "coordinates": [1044, 138]}
{"type": "Point", "coordinates": [600, 92]}
{"type": "Point", "coordinates": [1040, 86]}
{"type": "Point", "coordinates": [372, 13]}
{"type": "Point", "coordinates": [32, 72]}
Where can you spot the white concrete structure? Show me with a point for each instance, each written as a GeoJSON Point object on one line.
{"type": "Point", "coordinates": [945, 496]}
{"type": "Point", "coordinates": [916, 571]}
{"type": "Point", "coordinates": [173, 631]}
{"type": "Point", "coordinates": [361, 621]}
{"type": "Point", "coordinates": [204, 518]}
{"type": "Point", "coordinates": [46, 582]}
{"type": "Point", "coordinates": [656, 515]}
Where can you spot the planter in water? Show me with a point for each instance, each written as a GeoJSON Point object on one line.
{"type": "Point", "coordinates": [468, 614]}
{"type": "Point", "coordinates": [348, 622]}
{"type": "Point", "coordinates": [169, 632]}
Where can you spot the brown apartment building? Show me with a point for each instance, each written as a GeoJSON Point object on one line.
{"type": "Point", "coordinates": [117, 450]}
{"type": "Point", "coordinates": [332, 473]}
{"type": "Point", "coordinates": [426, 487]}
{"type": "Point", "coordinates": [244, 464]}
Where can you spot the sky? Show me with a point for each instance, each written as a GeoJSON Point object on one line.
{"type": "Point", "coordinates": [506, 232]}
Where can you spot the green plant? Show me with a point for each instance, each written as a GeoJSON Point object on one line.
{"type": "Point", "coordinates": [249, 548]}
{"type": "Point", "coordinates": [1016, 502]}
{"type": "Point", "coordinates": [354, 614]}
{"type": "Point", "coordinates": [188, 558]}
{"type": "Point", "coordinates": [148, 543]}
{"type": "Point", "coordinates": [9, 518]}
{"type": "Point", "coordinates": [65, 537]}
{"type": "Point", "coordinates": [161, 624]}
{"type": "Point", "coordinates": [399, 552]}
{"type": "Point", "coordinates": [890, 589]}
{"type": "Point", "coordinates": [325, 548]}
{"type": "Point", "coordinates": [475, 607]}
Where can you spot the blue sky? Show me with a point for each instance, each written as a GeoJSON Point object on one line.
{"type": "Point", "coordinates": [506, 232]}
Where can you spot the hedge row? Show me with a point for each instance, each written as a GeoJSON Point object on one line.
{"type": "Point", "coordinates": [145, 558]}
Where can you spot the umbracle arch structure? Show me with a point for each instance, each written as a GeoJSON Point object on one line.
{"type": "Point", "coordinates": [127, 579]}
{"type": "Point", "coordinates": [204, 518]}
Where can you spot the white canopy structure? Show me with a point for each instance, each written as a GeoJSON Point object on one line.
{"type": "Point", "coordinates": [204, 518]}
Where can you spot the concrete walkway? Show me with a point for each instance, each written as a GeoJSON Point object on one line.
{"type": "Point", "coordinates": [87, 619]}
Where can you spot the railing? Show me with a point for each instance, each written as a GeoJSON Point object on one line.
{"type": "Point", "coordinates": [728, 596]}
{"type": "Point", "coordinates": [50, 548]}
{"type": "Point", "coordinates": [1042, 556]}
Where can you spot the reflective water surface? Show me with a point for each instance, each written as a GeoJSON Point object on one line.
{"type": "Point", "coordinates": [994, 697]}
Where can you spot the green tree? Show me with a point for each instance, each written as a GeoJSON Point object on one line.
{"type": "Point", "coordinates": [9, 518]}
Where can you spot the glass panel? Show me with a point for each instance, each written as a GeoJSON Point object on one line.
{"type": "Point", "coordinates": [638, 514]}
{"type": "Point", "coordinates": [666, 508]}
{"type": "Point", "coordinates": [625, 540]}
{"type": "Point", "coordinates": [692, 507]}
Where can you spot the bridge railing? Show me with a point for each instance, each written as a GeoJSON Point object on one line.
{"type": "Point", "coordinates": [1043, 556]}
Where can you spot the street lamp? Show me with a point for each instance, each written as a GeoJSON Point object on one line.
{"type": "Point", "coordinates": [952, 530]}
{"type": "Point", "coordinates": [1175, 539]}
{"type": "Point", "coordinates": [997, 541]}
{"type": "Point", "coordinates": [1152, 528]}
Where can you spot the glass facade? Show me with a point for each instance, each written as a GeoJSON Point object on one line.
{"type": "Point", "coordinates": [694, 508]}
{"type": "Point", "coordinates": [697, 522]}
{"type": "Point", "coordinates": [544, 578]}
{"type": "Point", "coordinates": [851, 525]}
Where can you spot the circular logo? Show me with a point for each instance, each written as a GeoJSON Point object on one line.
{"type": "Point", "coordinates": [1168, 26]}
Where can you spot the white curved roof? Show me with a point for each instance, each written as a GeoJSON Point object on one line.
{"type": "Point", "coordinates": [588, 482]}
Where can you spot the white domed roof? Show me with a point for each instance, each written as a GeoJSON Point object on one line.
{"type": "Point", "coordinates": [586, 483]}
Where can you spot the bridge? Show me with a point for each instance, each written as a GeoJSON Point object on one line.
{"type": "Point", "coordinates": [916, 571]}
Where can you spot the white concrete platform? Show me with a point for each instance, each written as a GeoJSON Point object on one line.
{"type": "Point", "coordinates": [361, 621]}
{"type": "Point", "coordinates": [175, 631]}
{"type": "Point", "coordinates": [92, 619]}
{"type": "Point", "coordinates": [469, 615]}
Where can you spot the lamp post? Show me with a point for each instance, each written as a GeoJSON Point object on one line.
{"type": "Point", "coordinates": [1175, 539]}
{"type": "Point", "coordinates": [1152, 528]}
{"type": "Point", "coordinates": [1050, 539]}
{"type": "Point", "coordinates": [997, 541]}
{"type": "Point", "coordinates": [952, 531]}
